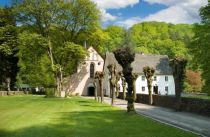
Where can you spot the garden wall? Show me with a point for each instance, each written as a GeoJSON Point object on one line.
{"type": "Point", "coordinates": [4, 93]}
{"type": "Point", "coordinates": [194, 105]}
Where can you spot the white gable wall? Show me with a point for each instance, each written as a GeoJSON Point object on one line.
{"type": "Point", "coordinates": [80, 81]}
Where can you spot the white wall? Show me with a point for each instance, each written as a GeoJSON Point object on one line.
{"type": "Point", "coordinates": [80, 81]}
{"type": "Point", "coordinates": [160, 82]}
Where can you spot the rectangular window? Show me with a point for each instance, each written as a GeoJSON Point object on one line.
{"type": "Point", "coordinates": [166, 78]}
{"type": "Point", "coordinates": [143, 88]}
{"type": "Point", "coordinates": [155, 78]}
{"type": "Point", "coordinates": [143, 78]}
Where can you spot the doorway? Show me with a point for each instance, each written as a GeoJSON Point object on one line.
{"type": "Point", "coordinates": [155, 89]}
{"type": "Point", "coordinates": [91, 91]}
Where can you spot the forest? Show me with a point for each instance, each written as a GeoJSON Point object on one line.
{"type": "Point", "coordinates": [43, 41]}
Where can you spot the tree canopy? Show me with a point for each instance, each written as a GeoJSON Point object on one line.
{"type": "Point", "coordinates": [201, 45]}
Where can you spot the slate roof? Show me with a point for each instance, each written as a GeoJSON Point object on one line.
{"type": "Point", "coordinates": [159, 62]}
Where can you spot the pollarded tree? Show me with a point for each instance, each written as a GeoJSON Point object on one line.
{"type": "Point", "coordinates": [149, 73]}
{"type": "Point", "coordinates": [112, 80]}
{"type": "Point", "coordinates": [100, 75]}
{"type": "Point", "coordinates": [125, 57]}
{"type": "Point", "coordinates": [178, 65]}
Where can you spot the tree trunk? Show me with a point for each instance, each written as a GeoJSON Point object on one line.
{"type": "Point", "coordinates": [8, 80]}
{"type": "Point", "coordinates": [130, 105]}
{"type": "Point", "coordinates": [117, 89]}
{"type": "Point", "coordinates": [95, 84]}
{"type": "Point", "coordinates": [134, 90]}
{"type": "Point", "coordinates": [102, 92]}
{"type": "Point", "coordinates": [113, 94]}
{"type": "Point", "coordinates": [124, 85]}
{"type": "Point", "coordinates": [150, 95]}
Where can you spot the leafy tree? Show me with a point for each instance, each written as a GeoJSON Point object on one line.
{"type": "Point", "coordinates": [201, 44]}
{"type": "Point", "coordinates": [162, 38]}
{"type": "Point", "coordinates": [33, 62]}
{"type": "Point", "coordinates": [116, 36]}
{"type": "Point", "coordinates": [193, 82]}
{"type": "Point", "coordinates": [60, 23]}
{"type": "Point", "coordinates": [8, 48]}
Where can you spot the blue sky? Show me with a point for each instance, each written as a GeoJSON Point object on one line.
{"type": "Point", "coordinates": [129, 12]}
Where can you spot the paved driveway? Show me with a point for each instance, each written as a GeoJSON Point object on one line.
{"type": "Point", "coordinates": [187, 121]}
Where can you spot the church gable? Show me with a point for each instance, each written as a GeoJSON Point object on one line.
{"type": "Point", "coordinates": [93, 55]}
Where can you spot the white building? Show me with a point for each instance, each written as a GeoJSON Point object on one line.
{"type": "Point", "coordinates": [82, 82]}
{"type": "Point", "coordinates": [163, 81]}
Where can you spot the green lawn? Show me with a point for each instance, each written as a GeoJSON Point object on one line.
{"type": "Point", "coordinates": [200, 97]}
{"type": "Point", "coordinates": [36, 116]}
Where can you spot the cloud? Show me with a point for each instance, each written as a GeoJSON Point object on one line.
{"type": "Point", "coordinates": [106, 16]}
{"type": "Point", "coordinates": [129, 22]}
{"type": "Point", "coordinates": [177, 11]}
{"type": "Point", "coordinates": [173, 14]}
{"type": "Point", "coordinates": [115, 4]}
{"type": "Point", "coordinates": [103, 5]}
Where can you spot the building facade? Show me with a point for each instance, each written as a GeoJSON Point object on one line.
{"type": "Point", "coordinates": [163, 81]}
{"type": "Point", "coordinates": [82, 82]}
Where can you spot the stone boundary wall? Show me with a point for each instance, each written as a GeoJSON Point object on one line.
{"type": "Point", "coordinates": [193, 105]}
{"type": "Point", "coordinates": [4, 93]}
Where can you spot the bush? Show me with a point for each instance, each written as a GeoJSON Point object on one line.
{"type": "Point", "coordinates": [50, 92]}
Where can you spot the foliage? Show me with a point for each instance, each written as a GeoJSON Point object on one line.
{"type": "Point", "coordinates": [75, 117]}
{"type": "Point", "coordinates": [8, 46]}
{"type": "Point", "coordinates": [116, 36]}
{"type": "Point", "coordinates": [33, 62]}
{"type": "Point", "coordinates": [193, 82]}
{"type": "Point", "coordinates": [59, 23]}
{"type": "Point", "coordinates": [200, 46]}
{"type": "Point", "coordinates": [162, 38]}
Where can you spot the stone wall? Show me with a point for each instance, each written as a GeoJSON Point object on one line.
{"type": "Point", "coordinates": [4, 93]}
{"type": "Point", "coordinates": [194, 105]}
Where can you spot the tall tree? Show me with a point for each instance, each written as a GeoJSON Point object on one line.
{"type": "Point", "coordinates": [60, 23]}
{"type": "Point", "coordinates": [125, 57]}
{"type": "Point", "coordinates": [8, 48]}
{"type": "Point", "coordinates": [201, 44]}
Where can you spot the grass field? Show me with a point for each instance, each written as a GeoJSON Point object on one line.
{"type": "Point", "coordinates": [36, 116]}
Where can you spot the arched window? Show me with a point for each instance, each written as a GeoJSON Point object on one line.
{"type": "Point", "coordinates": [92, 70]}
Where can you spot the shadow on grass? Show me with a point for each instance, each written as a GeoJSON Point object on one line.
{"type": "Point", "coordinates": [112, 123]}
